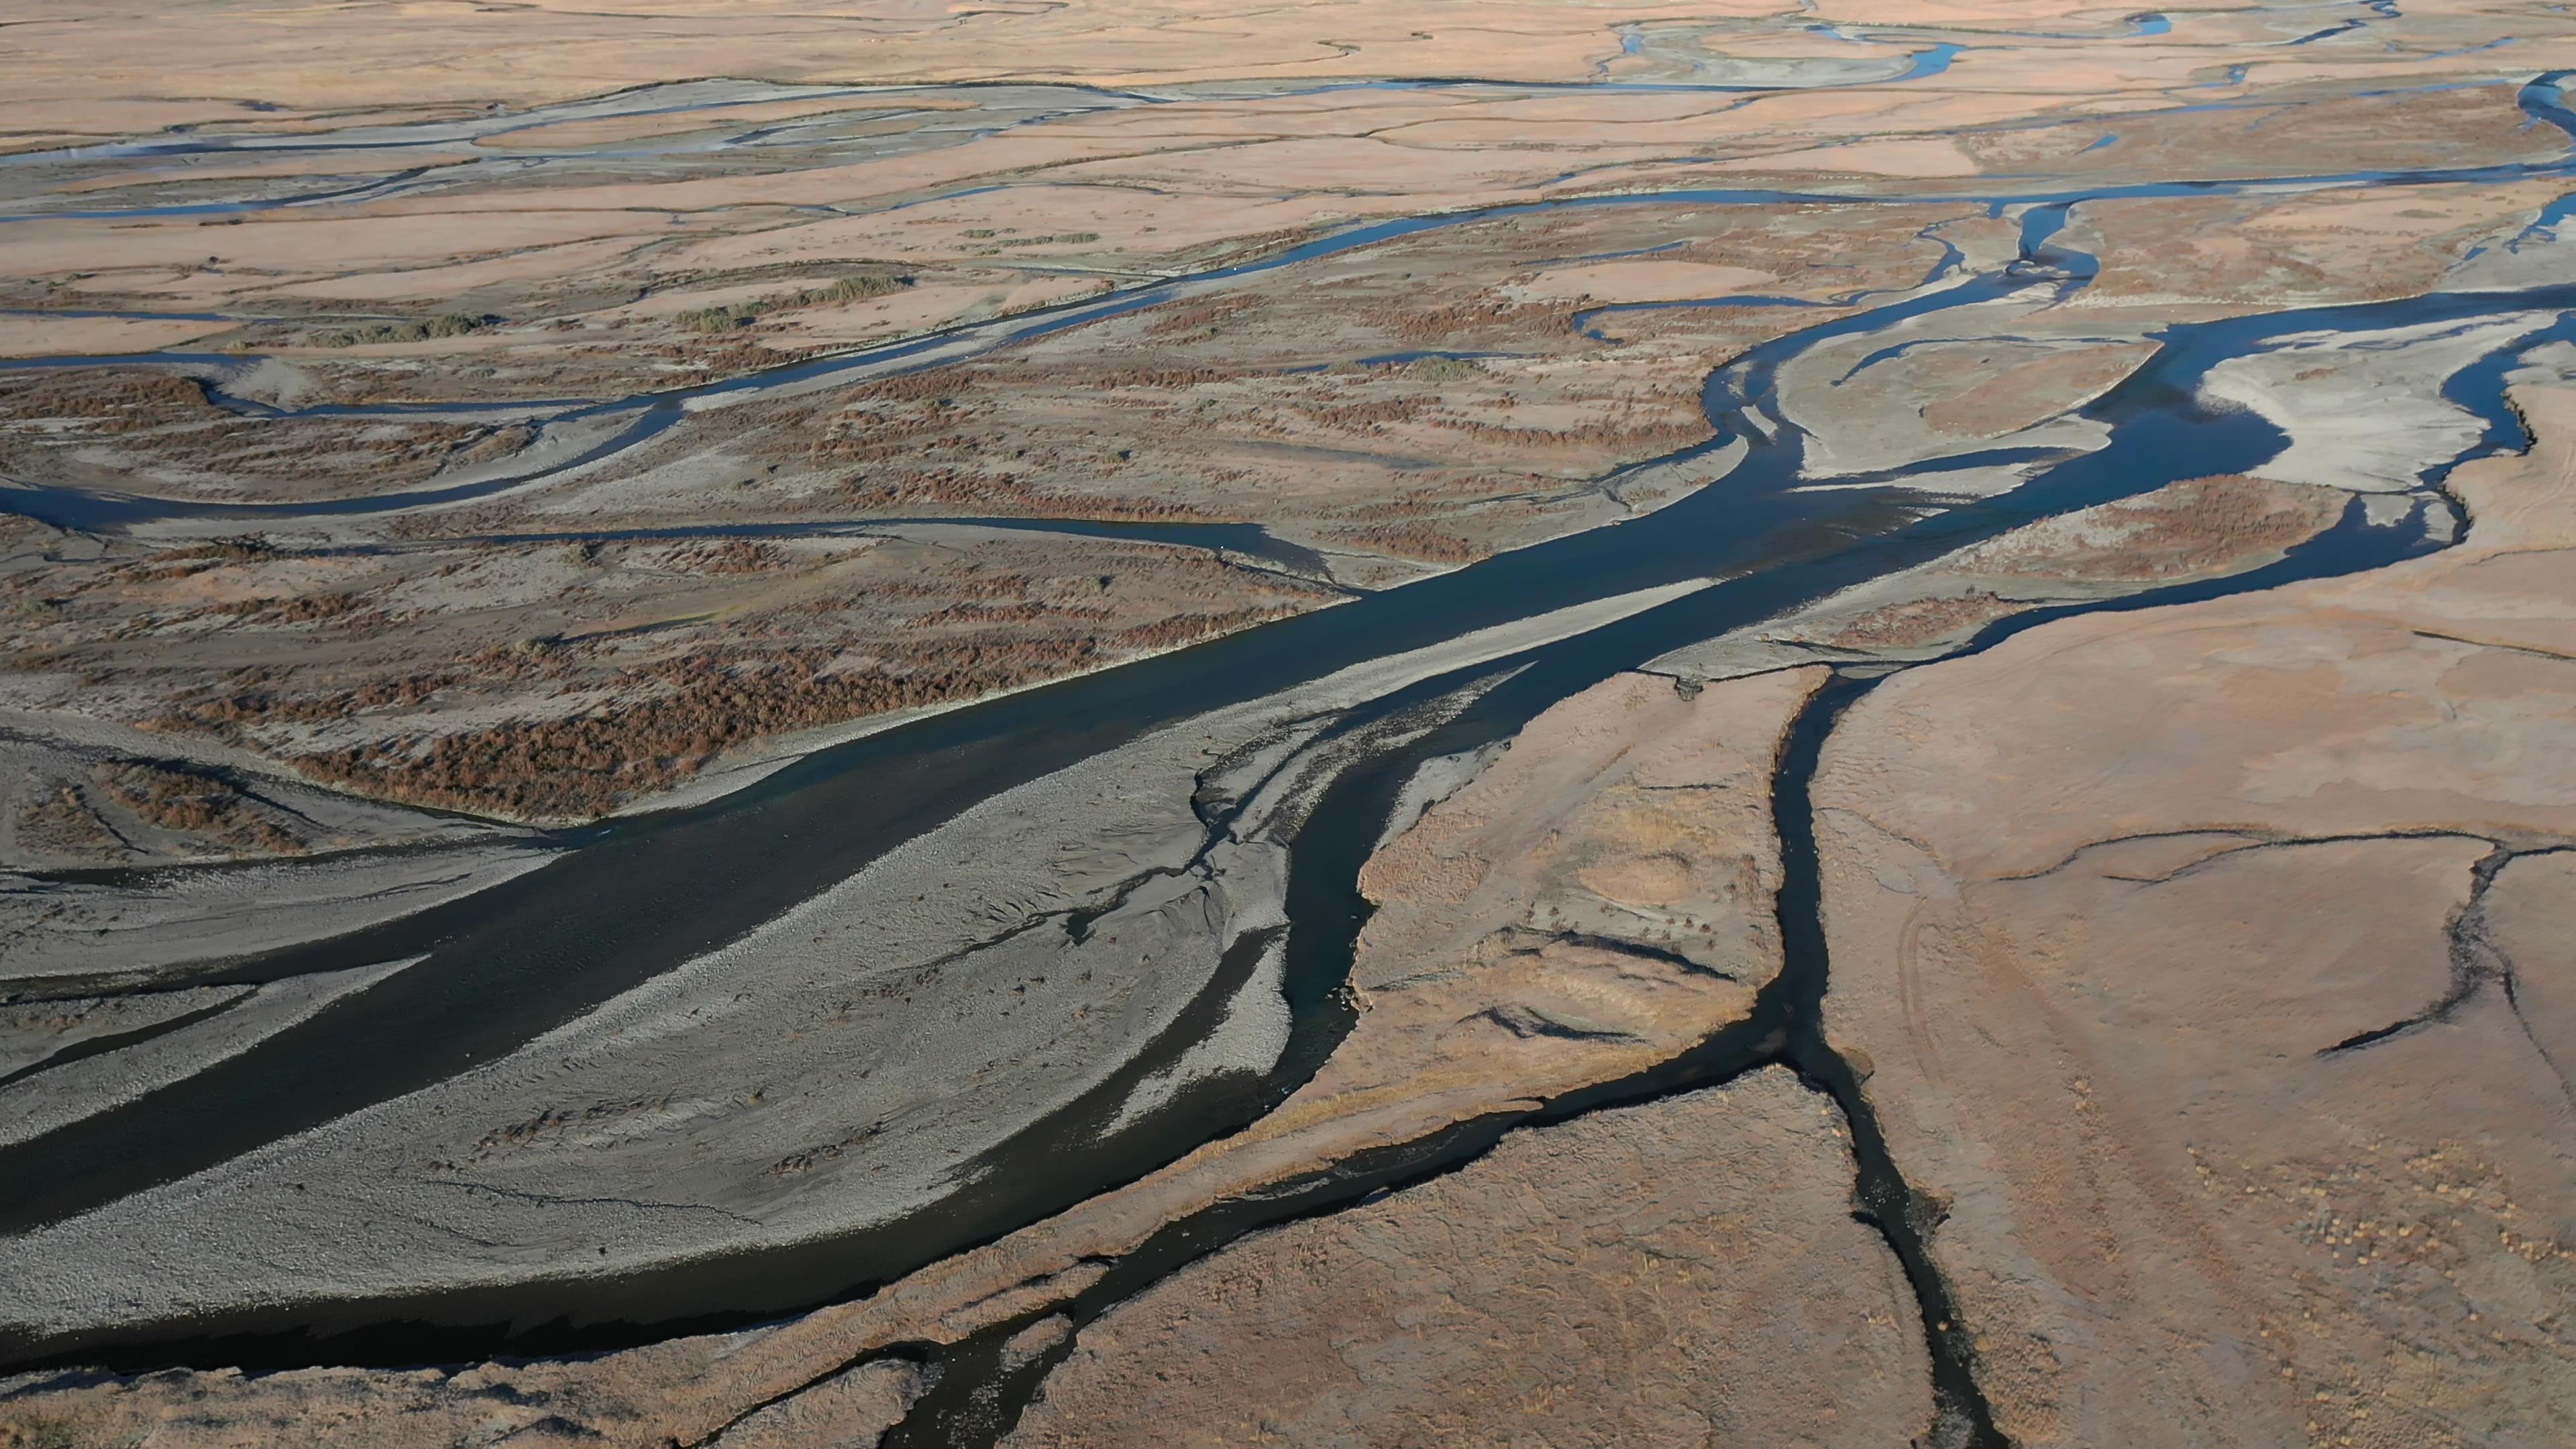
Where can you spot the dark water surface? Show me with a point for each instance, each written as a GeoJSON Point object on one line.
{"type": "Point", "coordinates": [648, 415]}
{"type": "Point", "coordinates": [640, 896]}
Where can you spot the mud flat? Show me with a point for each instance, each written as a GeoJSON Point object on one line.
{"type": "Point", "coordinates": [2224, 1047]}
{"type": "Point", "coordinates": [71, 936]}
{"type": "Point", "coordinates": [38, 1030]}
{"type": "Point", "coordinates": [69, 1090]}
{"type": "Point", "coordinates": [2381, 422]}
{"type": "Point", "coordinates": [2198, 529]}
{"type": "Point", "coordinates": [1652, 1273]}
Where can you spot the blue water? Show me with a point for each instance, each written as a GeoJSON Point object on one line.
{"type": "Point", "coordinates": [188, 141]}
{"type": "Point", "coordinates": [2542, 98]}
{"type": "Point", "coordinates": [639, 895]}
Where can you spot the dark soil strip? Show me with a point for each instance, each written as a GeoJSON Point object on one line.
{"type": "Point", "coordinates": [1903, 1215]}
{"type": "Point", "coordinates": [99, 1046]}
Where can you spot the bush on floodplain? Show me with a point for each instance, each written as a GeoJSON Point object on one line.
{"type": "Point", "coordinates": [446, 324]}
{"type": "Point", "coordinates": [743, 314]}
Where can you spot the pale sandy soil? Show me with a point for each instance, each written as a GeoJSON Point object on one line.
{"type": "Point", "coordinates": [23, 336]}
{"type": "Point", "coordinates": [2183, 533]}
{"type": "Point", "coordinates": [1700, 1249]}
{"type": "Point", "coordinates": [69, 1091]}
{"type": "Point", "coordinates": [2218, 1046]}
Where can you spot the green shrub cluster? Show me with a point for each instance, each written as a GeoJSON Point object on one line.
{"type": "Point", "coordinates": [1443, 369]}
{"type": "Point", "coordinates": [449, 324]}
{"type": "Point", "coordinates": [743, 314]}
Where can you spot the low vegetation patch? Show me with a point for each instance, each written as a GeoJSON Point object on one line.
{"type": "Point", "coordinates": [743, 314]}
{"type": "Point", "coordinates": [446, 324]}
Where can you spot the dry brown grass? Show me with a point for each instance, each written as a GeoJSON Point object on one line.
{"type": "Point", "coordinates": [1920, 621]}
{"type": "Point", "coordinates": [679, 714]}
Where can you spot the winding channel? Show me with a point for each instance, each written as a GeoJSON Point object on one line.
{"type": "Point", "coordinates": [1000, 106]}
{"type": "Point", "coordinates": [638, 419]}
{"type": "Point", "coordinates": [634, 898]}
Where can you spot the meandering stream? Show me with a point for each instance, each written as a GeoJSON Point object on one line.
{"type": "Point", "coordinates": [635, 898]}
